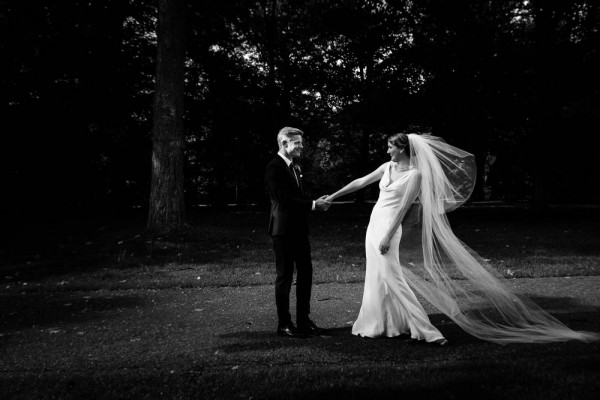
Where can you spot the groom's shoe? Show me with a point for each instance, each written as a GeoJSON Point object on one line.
{"type": "Point", "coordinates": [289, 330]}
{"type": "Point", "coordinates": [310, 328]}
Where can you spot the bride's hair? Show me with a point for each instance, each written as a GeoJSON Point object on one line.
{"type": "Point", "coordinates": [399, 140]}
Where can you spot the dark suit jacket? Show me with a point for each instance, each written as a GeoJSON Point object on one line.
{"type": "Point", "coordinates": [289, 206]}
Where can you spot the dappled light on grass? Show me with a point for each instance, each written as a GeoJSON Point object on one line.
{"type": "Point", "coordinates": [193, 317]}
{"type": "Point", "coordinates": [233, 249]}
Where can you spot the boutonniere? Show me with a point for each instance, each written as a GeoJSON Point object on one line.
{"type": "Point", "coordinates": [298, 170]}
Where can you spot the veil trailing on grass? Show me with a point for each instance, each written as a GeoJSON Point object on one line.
{"type": "Point", "coordinates": [451, 276]}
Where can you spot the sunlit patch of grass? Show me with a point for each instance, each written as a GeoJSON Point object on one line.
{"type": "Point", "coordinates": [80, 334]}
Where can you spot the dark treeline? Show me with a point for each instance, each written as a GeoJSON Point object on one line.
{"type": "Point", "coordinates": [514, 82]}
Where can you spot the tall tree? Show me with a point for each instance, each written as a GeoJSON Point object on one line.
{"type": "Point", "coordinates": [167, 208]}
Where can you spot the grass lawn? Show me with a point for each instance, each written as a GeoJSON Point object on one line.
{"type": "Point", "coordinates": [232, 248]}
{"type": "Point", "coordinates": [93, 308]}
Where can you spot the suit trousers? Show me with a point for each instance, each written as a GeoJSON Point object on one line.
{"type": "Point", "coordinates": [290, 251]}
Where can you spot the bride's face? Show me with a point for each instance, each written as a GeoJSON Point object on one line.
{"type": "Point", "coordinates": [394, 152]}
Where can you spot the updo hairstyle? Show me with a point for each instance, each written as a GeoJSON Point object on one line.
{"type": "Point", "coordinates": [399, 140]}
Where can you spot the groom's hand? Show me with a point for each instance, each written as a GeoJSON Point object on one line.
{"type": "Point", "coordinates": [321, 204]}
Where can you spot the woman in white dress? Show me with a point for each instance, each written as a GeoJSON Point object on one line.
{"type": "Point", "coordinates": [425, 179]}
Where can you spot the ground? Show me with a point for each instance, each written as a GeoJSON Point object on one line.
{"type": "Point", "coordinates": [102, 323]}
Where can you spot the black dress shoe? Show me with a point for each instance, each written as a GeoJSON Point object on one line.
{"type": "Point", "coordinates": [289, 330]}
{"type": "Point", "coordinates": [310, 328]}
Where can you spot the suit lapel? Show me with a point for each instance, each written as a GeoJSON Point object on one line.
{"type": "Point", "coordinates": [289, 170]}
{"type": "Point", "coordinates": [300, 183]}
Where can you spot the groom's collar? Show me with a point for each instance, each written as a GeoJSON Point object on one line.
{"type": "Point", "coordinates": [287, 160]}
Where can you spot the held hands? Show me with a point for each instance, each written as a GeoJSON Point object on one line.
{"type": "Point", "coordinates": [322, 204]}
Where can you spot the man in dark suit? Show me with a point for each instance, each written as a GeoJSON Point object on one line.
{"type": "Point", "coordinates": [288, 228]}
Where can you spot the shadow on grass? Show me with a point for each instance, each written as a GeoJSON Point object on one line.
{"type": "Point", "coordinates": [341, 339]}
{"type": "Point", "coordinates": [41, 310]}
{"type": "Point", "coordinates": [36, 249]}
{"type": "Point", "coordinates": [354, 367]}
{"type": "Point", "coordinates": [486, 379]}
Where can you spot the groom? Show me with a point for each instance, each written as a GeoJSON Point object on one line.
{"type": "Point", "coordinates": [288, 228]}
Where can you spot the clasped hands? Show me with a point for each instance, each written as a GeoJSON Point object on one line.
{"type": "Point", "coordinates": [322, 204]}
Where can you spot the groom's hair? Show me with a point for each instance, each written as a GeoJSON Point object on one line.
{"type": "Point", "coordinates": [287, 133]}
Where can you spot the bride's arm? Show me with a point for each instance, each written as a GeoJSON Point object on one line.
{"type": "Point", "coordinates": [359, 183]}
{"type": "Point", "coordinates": [406, 202]}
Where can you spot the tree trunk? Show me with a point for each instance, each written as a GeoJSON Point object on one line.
{"type": "Point", "coordinates": [167, 206]}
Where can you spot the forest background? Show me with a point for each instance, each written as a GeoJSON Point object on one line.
{"type": "Point", "coordinates": [117, 111]}
{"type": "Point", "coordinates": [514, 82]}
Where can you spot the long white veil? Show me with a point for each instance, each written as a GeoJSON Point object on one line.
{"type": "Point", "coordinates": [451, 276]}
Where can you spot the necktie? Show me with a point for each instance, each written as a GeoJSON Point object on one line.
{"type": "Point", "coordinates": [294, 167]}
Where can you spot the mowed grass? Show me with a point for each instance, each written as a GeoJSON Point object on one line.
{"type": "Point", "coordinates": [93, 308]}
{"type": "Point", "coordinates": [231, 248]}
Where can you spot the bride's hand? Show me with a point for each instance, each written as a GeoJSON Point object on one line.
{"type": "Point", "coordinates": [329, 198]}
{"type": "Point", "coordinates": [384, 246]}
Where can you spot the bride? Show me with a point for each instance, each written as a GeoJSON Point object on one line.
{"type": "Point", "coordinates": [410, 245]}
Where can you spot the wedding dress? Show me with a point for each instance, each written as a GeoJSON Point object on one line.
{"type": "Point", "coordinates": [427, 257]}
{"type": "Point", "coordinates": [389, 307]}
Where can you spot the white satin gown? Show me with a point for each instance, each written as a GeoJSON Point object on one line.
{"type": "Point", "coordinates": [389, 306]}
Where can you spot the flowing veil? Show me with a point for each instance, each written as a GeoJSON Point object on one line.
{"type": "Point", "coordinates": [450, 275]}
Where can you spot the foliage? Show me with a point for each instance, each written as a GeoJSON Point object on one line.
{"type": "Point", "coordinates": [75, 95]}
{"type": "Point", "coordinates": [508, 81]}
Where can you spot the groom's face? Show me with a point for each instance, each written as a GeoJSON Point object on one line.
{"type": "Point", "coordinates": [294, 146]}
